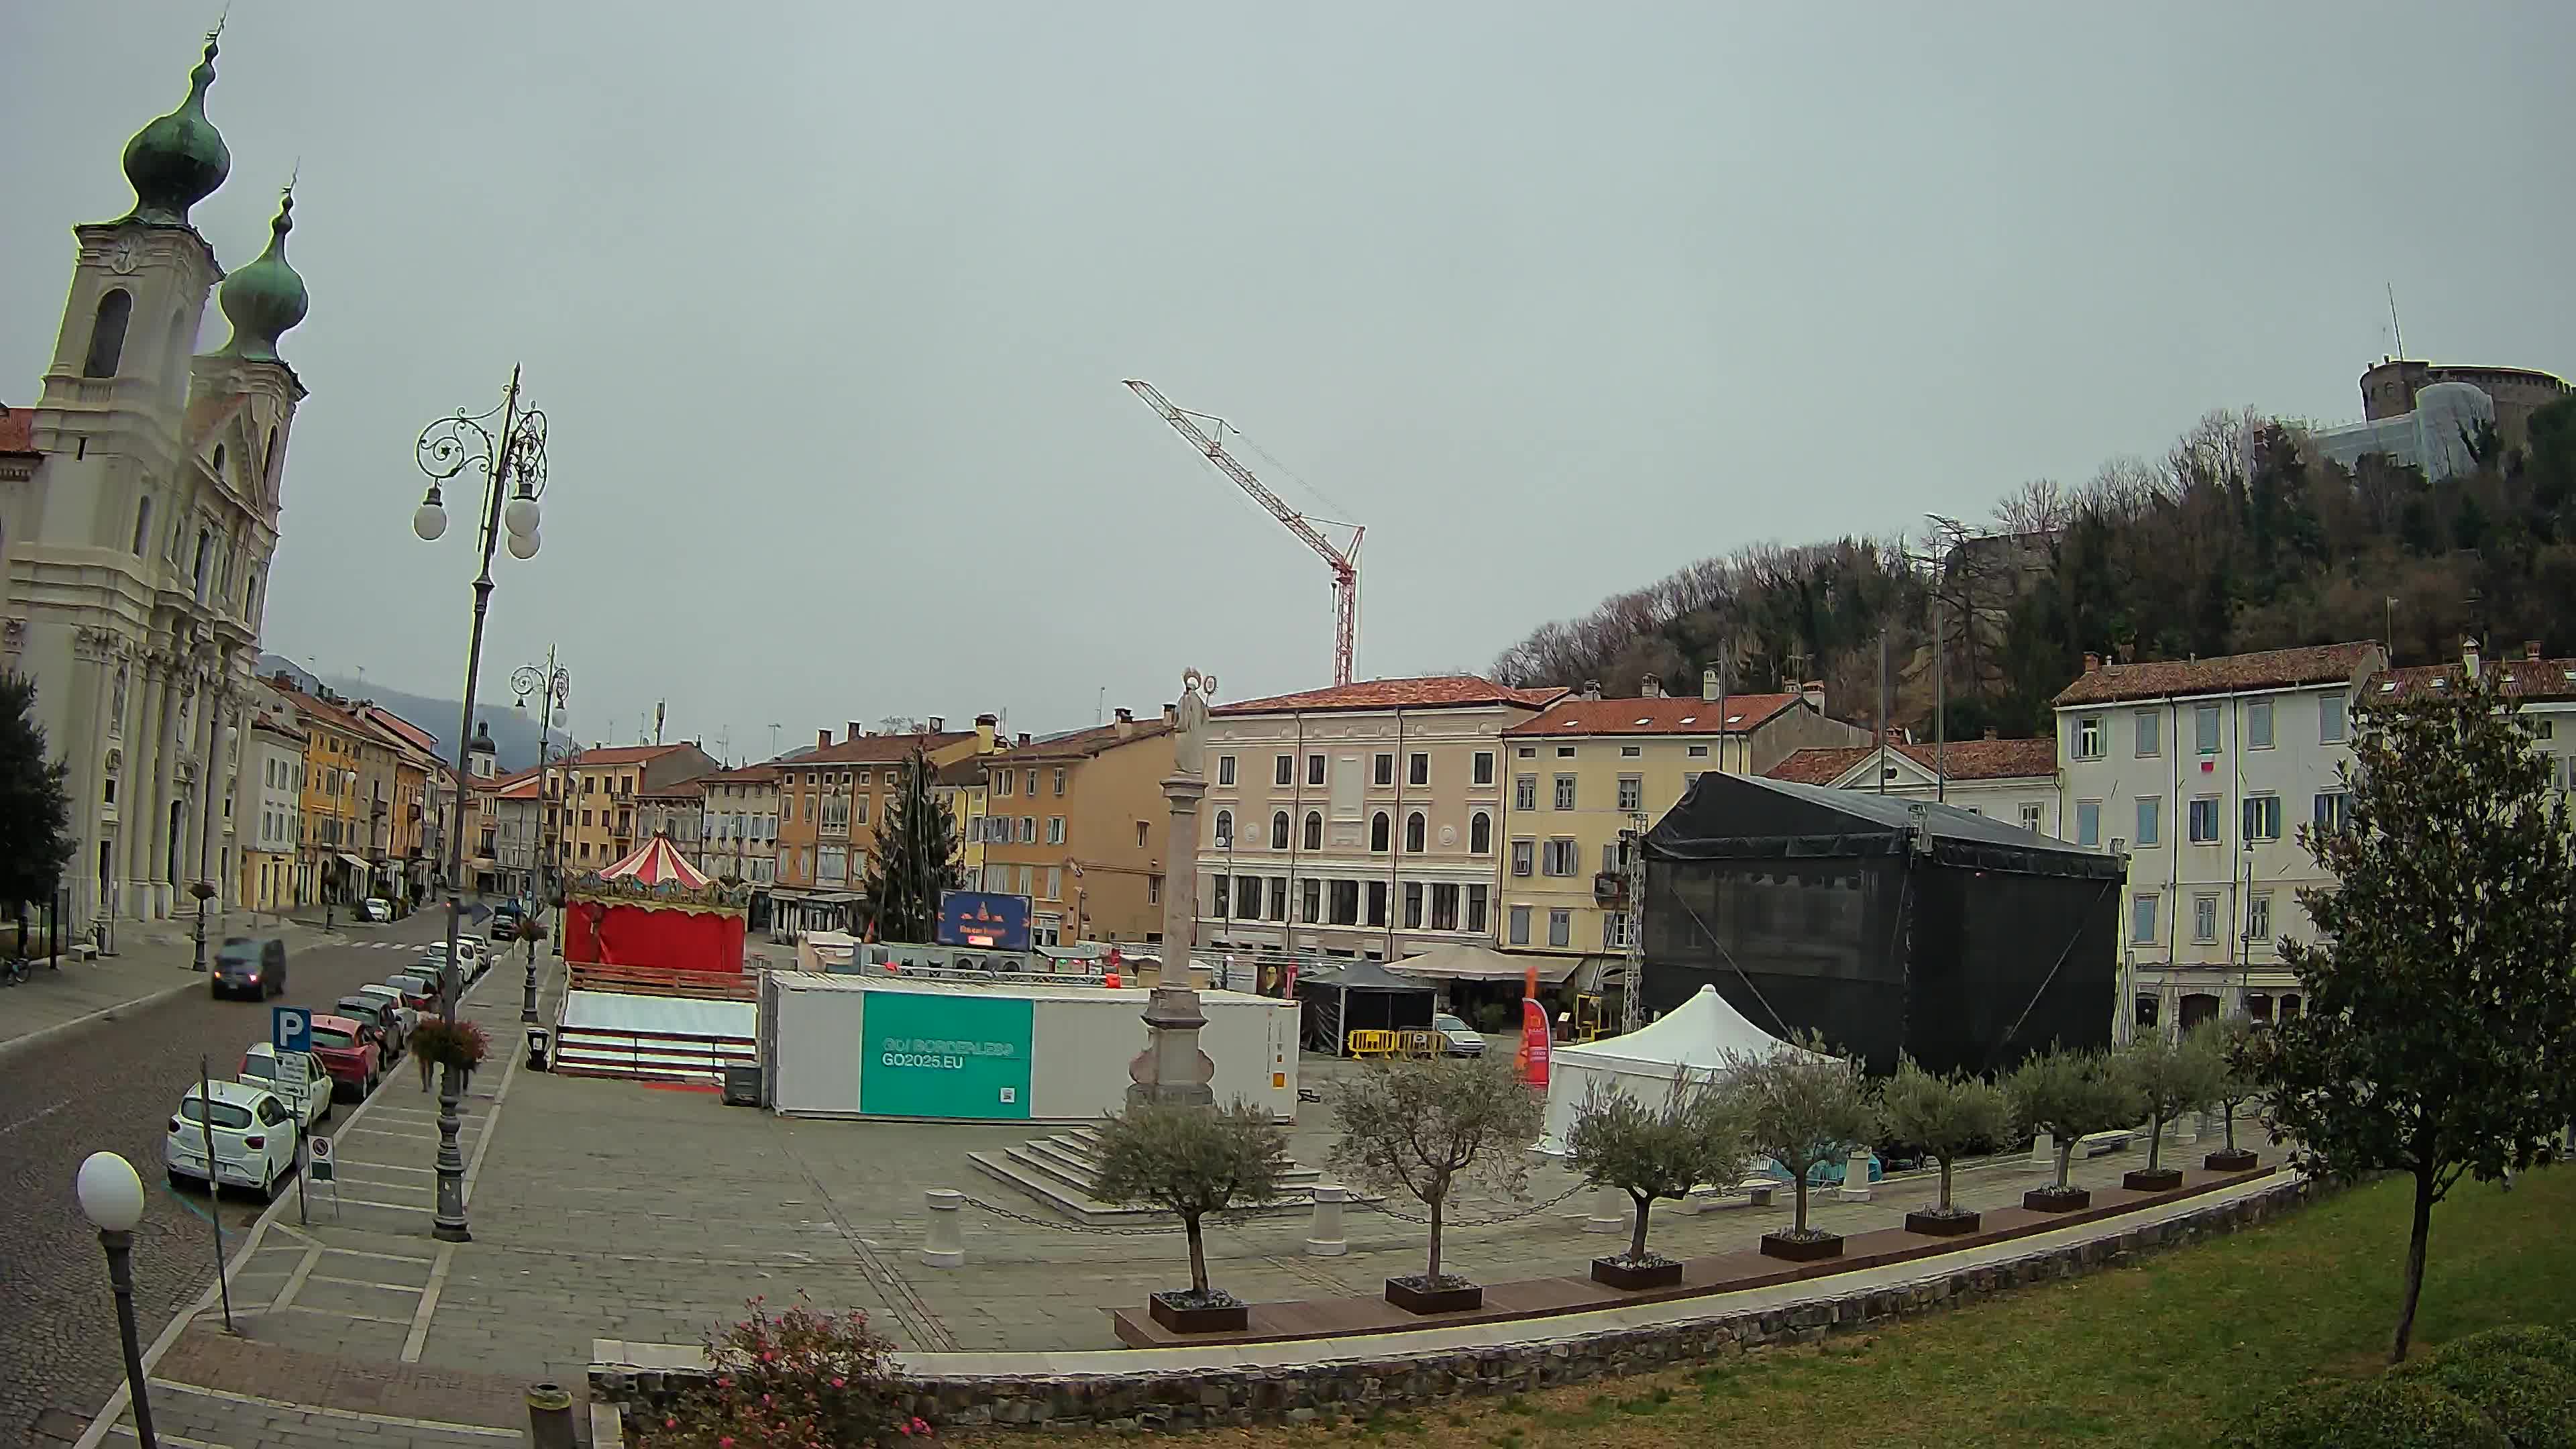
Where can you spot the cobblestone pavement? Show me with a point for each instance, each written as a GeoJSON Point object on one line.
{"type": "Point", "coordinates": [112, 1083]}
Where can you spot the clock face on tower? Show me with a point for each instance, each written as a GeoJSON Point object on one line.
{"type": "Point", "coordinates": [123, 256]}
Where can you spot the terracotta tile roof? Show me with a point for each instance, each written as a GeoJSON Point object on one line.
{"type": "Point", "coordinates": [696, 788]}
{"type": "Point", "coordinates": [620, 754]}
{"type": "Point", "coordinates": [17, 430]}
{"type": "Point", "coordinates": [1082, 744]}
{"type": "Point", "coordinates": [523, 787]}
{"type": "Point", "coordinates": [328, 714]}
{"type": "Point", "coordinates": [1663, 715]}
{"type": "Point", "coordinates": [1437, 691]}
{"type": "Point", "coordinates": [966, 772]}
{"type": "Point", "coordinates": [881, 749]}
{"type": "Point", "coordinates": [400, 728]}
{"type": "Point", "coordinates": [2226, 674]}
{"type": "Point", "coordinates": [2524, 678]}
{"type": "Point", "coordinates": [1964, 759]}
{"type": "Point", "coordinates": [747, 775]}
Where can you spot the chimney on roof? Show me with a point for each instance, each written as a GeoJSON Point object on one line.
{"type": "Point", "coordinates": [1591, 689]}
{"type": "Point", "coordinates": [2469, 655]}
{"type": "Point", "coordinates": [858, 733]}
{"type": "Point", "coordinates": [1813, 691]}
{"type": "Point", "coordinates": [2531, 649]}
{"type": "Point", "coordinates": [822, 739]}
{"type": "Point", "coordinates": [939, 724]}
{"type": "Point", "coordinates": [987, 727]}
{"type": "Point", "coordinates": [1126, 723]}
{"type": "Point", "coordinates": [1708, 685]}
{"type": "Point", "coordinates": [1650, 687]}
{"type": "Point", "coordinates": [1024, 739]}
{"type": "Point", "coordinates": [2092, 662]}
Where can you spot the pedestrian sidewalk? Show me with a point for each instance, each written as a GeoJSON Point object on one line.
{"type": "Point", "coordinates": [155, 959]}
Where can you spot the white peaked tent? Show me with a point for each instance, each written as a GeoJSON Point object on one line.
{"type": "Point", "coordinates": [1688, 1043]}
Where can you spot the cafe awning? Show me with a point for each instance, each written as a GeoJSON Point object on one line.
{"type": "Point", "coordinates": [1465, 962]}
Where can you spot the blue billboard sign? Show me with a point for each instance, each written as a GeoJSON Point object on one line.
{"type": "Point", "coordinates": [984, 919]}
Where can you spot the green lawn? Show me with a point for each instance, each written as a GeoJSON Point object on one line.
{"type": "Point", "coordinates": [2165, 1353]}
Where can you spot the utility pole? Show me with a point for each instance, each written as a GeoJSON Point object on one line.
{"type": "Point", "coordinates": [1940, 708]}
{"type": "Point", "coordinates": [1882, 709]}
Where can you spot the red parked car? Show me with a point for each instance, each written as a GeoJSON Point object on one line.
{"type": "Point", "coordinates": [352, 1050]}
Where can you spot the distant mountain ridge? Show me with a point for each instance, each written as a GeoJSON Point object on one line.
{"type": "Point", "coordinates": [515, 736]}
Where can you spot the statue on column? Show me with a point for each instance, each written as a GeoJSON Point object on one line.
{"type": "Point", "coordinates": [1189, 740]}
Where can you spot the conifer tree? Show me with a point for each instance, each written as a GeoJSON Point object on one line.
{"type": "Point", "coordinates": [915, 858]}
{"type": "Point", "coordinates": [35, 807]}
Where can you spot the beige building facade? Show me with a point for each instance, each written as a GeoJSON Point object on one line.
{"type": "Point", "coordinates": [1079, 824]}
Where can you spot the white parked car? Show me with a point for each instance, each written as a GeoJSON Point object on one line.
{"type": "Point", "coordinates": [472, 954]}
{"type": "Point", "coordinates": [392, 996]}
{"type": "Point", "coordinates": [254, 1139]}
{"type": "Point", "coordinates": [377, 908]}
{"type": "Point", "coordinates": [1463, 1040]}
{"type": "Point", "coordinates": [259, 1069]}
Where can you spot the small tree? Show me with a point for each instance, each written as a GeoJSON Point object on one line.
{"type": "Point", "coordinates": [2440, 1028]}
{"type": "Point", "coordinates": [35, 806]}
{"type": "Point", "coordinates": [2170, 1078]}
{"type": "Point", "coordinates": [915, 858]}
{"type": "Point", "coordinates": [2243, 1055]}
{"type": "Point", "coordinates": [1803, 1106]}
{"type": "Point", "coordinates": [1191, 1162]}
{"type": "Point", "coordinates": [1696, 1136]}
{"type": "Point", "coordinates": [1945, 1116]}
{"type": "Point", "coordinates": [2069, 1095]}
{"type": "Point", "coordinates": [1426, 1126]}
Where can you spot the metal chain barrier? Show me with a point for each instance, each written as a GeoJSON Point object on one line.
{"type": "Point", "coordinates": [1212, 1219]}
{"type": "Point", "coordinates": [1449, 1222]}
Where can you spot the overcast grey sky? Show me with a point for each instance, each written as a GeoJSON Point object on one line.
{"type": "Point", "coordinates": [830, 303]}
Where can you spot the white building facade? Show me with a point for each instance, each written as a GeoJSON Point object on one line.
{"type": "Point", "coordinates": [137, 545]}
{"type": "Point", "coordinates": [2201, 772]}
{"type": "Point", "coordinates": [269, 808]}
{"type": "Point", "coordinates": [2014, 781]}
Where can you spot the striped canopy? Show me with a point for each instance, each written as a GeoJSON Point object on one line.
{"type": "Point", "coordinates": [656, 863]}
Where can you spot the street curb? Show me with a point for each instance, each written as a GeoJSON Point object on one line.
{"type": "Point", "coordinates": [65, 1028]}
{"type": "Point", "coordinates": [103, 1422]}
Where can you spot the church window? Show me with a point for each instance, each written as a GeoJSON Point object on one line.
{"type": "Point", "coordinates": [107, 334]}
{"type": "Point", "coordinates": [205, 553]}
{"type": "Point", "coordinates": [142, 525]}
{"type": "Point", "coordinates": [219, 462]}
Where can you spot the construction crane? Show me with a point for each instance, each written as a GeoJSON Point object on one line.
{"type": "Point", "coordinates": [1345, 561]}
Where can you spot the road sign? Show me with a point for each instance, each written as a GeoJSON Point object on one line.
{"type": "Point", "coordinates": [290, 1029]}
{"type": "Point", "coordinates": [322, 1167]}
{"type": "Point", "coordinates": [291, 1072]}
{"type": "Point", "coordinates": [477, 912]}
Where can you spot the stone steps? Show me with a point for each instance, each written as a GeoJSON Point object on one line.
{"type": "Point", "coordinates": [1062, 1172]}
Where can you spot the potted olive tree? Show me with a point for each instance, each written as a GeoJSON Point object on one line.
{"type": "Point", "coordinates": [2069, 1094]}
{"type": "Point", "coordinates": [1192, 1162]}
{"type": "Point", "coordinates": [1425, 1127]}
{"type": "Point", "coordinates": [1802, 1107]}
{"type": "Point", "coordinates": [2170, 1078]}
{"type": "Point", "coordinates": [1945, 1116]}
{"type": "Point", "coordinates": [2242, 1052]}
{"type": "Point", "coordinates": [1664, 1151]}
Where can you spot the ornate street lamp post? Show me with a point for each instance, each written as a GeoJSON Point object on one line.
{"type": "Point", "coordinates": [111, 1197]}
{"type": "Point", "coordinates": [554, 684]}
{"type": "Point", "coordinates": [513, 464]}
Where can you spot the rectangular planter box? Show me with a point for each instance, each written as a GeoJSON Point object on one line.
{"type": "Point", "coordinates": [2161, 1179]}
{"type": "Point", "coordinates": [1940, 1225]}
{"type": "Point", "coordinates": [1433, 1300]}
{"type": "Point", "coordinates": [1232, 1318]}
{"type": "Point", "coordinates": [2225, 1160]}
{"type": "Point", "coordinates": [1802, 1250]}
{"type": "Point", "coordinates": [2050, 1200]}
{"type": "Point", "coordinates": [1612, 1273]}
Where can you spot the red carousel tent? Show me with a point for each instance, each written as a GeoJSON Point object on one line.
{"type": "Point", "coordinates": [655, 909]}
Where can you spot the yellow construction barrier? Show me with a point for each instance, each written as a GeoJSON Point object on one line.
{"type": "Point", "coordinates": [1380, 1043]}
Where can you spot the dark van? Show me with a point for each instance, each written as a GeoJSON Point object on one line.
{"type": "Point", "coordinates": [251, 966]}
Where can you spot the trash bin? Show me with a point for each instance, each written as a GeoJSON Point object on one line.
{"type": "Point", "coordinates": [538, 1036]}
{"type": "Point", "coordinates": [742, 1086]}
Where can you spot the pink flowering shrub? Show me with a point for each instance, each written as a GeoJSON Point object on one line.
{"type": "Point", "coordinates": [798, 1379]}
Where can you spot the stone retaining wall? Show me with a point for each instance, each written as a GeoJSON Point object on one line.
{"type": "Point", "coordinates": [1301, 1392]}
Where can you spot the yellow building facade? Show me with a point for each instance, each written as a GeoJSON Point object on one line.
{"type": "Point", "coordinates": [1078, 824]}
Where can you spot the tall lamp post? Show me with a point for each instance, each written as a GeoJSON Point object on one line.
{"type": "Point", "coordinates": [111, 1197]}
{"type": "Point", "coordinates": [554, 684]}
{"type": "Point", "coordinates": [513, 463]}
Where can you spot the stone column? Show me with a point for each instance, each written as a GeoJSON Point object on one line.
{"type": "Point", "coordinates": [1325, 1237]}
{"type": "Point", "coordinates": [1610, 1209]}
{"type": "Point", "coordinates": [135, 804]}
{"type": "Point", "coordinates": [1855, 1186]}
{"type": "Point", "coordinates": [1181, 881]}
{"type": "Point", "coordinates": [2043, 1151]}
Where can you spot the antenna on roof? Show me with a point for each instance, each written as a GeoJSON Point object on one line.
{"type": "Point", "coordinates": [2394, 328]}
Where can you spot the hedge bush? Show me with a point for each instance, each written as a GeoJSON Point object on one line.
{"type": "Point", "coordinates": [2533, 1400]}
{"type": "Point", "coordinates": [2389, 1412]}
{"type": "Point", "coordinates": [2522, 1340]}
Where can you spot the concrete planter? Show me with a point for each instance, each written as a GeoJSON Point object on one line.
{"type": "Point", "coordinates": [2230, 1159]}
{"type": "Point", "coordinates": [1450, 1295]}
{"type": "Point", "coordinates": [2157, 1179]}
{"type": "Point", "coordinates": [2053, 1200]}
{"type": "Point", "coordinates": [1802, 1250]}
{"type": "Point", "coordinates": [1942, 1225]}
{"type": "Point", "coordinates": [1610, 1272]}
{"type": "Point", "coordinates": [1181, 1317]}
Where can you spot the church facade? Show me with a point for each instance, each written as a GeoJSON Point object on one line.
{"type": "Point", "coordinates": [138, 527]}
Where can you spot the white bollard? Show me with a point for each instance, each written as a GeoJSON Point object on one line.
{"type": "Point", "coordinates": [2043, 1151]}
{"type": "Point", "coordinates": [1610, 1207]}
{"type": "Point", "coordinates": [1855, 1186]}
{"type": "Point", "coordinates": [946, 1243]}
{"type": "Point", "coordinates": [1324, 1237]}
{"type": "Point", "coordinates": [2184, 1129]}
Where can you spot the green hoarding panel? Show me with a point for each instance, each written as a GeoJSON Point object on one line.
{"type": "Point", "coordinates": [931, 1054]}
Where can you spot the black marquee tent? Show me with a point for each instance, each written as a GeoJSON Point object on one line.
{"type": "Point", "coordinates": [1887, 924]}
{"type": "Point", "coordinates": [1358, 995]}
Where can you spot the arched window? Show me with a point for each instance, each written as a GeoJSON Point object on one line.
{"type": "Point", "coordinates": [1225, 828]}
{"type": "Point", "coordinates": [1480, 834]}
{"type": "Point", "coordinates": [268, 462]}
{"type": "Point", "coordinates": [205, 555]}
{"type": "Point", "coordinates": [1378, 831]}
{"type": "Point", "coordinates": [1279, 830]}
{"type": "Point", "coordinates": [1413, 826]}
{"type": "Point", "coordinates": [142, 524]}
{"type": "Point", "coordinates": [107, 334]}
{"type": "Point", "coordinates": [219, 462]}
{"type": "Point", "coordinates": [1314, 830]}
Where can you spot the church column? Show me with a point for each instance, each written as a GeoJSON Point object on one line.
{"type": "Point", "coordinates": [209, 862]}
{"type": "Point", "coordinates": [178, 695]}
{"type": "Point", "coordinates": [138, 805]}
{"type": "Point", "coordinates": [86, 739]}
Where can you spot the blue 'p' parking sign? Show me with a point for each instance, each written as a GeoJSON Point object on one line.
{"type": "Point", "coordinates": [290, 1029]}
